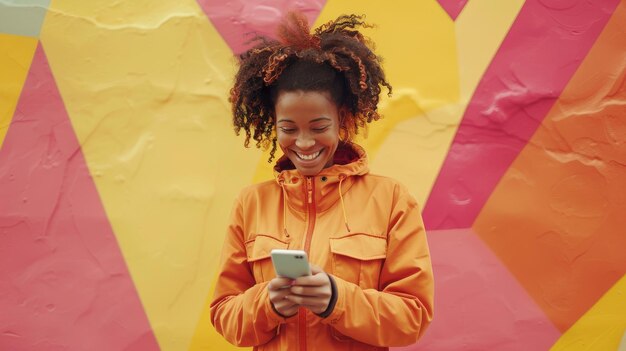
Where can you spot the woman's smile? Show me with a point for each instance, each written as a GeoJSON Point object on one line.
{"type": "Point", "coordinates": [308, 156]}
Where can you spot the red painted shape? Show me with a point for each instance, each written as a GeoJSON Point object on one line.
{"type": "Point", "coordinates": [543, 49]}
{"type": "Point", "coordinates": [479, 305]}
{"type": "Point", "coordinates": [238, 21]}
{"type": "Point", "coordinates": [64, 284]}
{"type": "Point", "coordinates": [453, 7]}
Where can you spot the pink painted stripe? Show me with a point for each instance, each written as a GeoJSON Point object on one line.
{"type": "Point", "coordinates": [453, 7]}
{"type": "Point", "coordinates": [64, 283]}
{"type": "Point", "coordinates": [479, 305]}
{"type": "Point", "coordinates": [238, 20]}
{"type": "Point", "coordinates": [543, 49]}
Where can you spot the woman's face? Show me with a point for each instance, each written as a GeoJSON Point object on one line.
{"type": "Point", "coordinates": [307, 129]}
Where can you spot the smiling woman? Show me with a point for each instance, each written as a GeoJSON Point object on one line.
{"type": "Point", "coordinates": [307, 129]}
{"type": "Point", "coordinates": [371, 285]}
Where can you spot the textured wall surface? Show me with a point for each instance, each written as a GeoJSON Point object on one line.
{"type": "Point", "coordinates": [118, 165]}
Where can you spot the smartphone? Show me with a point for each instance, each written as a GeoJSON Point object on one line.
{"type": "Point", "coordinates": [290, 263]}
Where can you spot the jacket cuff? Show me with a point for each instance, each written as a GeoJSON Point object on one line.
{"type": "Point", "coordinates": [338, 309]}
{"type": "Point", "coordinates": [333, 298]}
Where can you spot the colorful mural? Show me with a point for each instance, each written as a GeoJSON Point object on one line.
{"type": "Point", "coordinates": [118, 165]}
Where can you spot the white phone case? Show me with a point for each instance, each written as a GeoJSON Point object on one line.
{"type": "Point", "coordinates": [290, 263]}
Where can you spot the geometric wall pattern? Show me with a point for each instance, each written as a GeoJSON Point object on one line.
{"type": "Point", "coordinates": [118, 165]}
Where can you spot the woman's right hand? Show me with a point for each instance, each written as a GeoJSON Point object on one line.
{"type": "Point", "coordinates": [278, 289]}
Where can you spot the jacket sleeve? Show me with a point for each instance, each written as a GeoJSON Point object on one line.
{"type": "Point", "coordinates": [400, 311]}
{"type": "Point", "coordinates": [241, 310]}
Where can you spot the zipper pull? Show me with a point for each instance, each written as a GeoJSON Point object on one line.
{"type": "Point", "coordinates": [310, 189]}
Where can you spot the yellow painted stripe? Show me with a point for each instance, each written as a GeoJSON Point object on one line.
{"type": "Point", "coordinates": [480, 29]}
{"type": "Point", "coordinates": [16, 54]}
{"type": "Point", "coordinates": [145, 86]}
{"type": "Point", "coordinates": [602, 327]}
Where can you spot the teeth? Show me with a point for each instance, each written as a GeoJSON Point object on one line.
{"type": "Point", "coordinates": [309, 157]}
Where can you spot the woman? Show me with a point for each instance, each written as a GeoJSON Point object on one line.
{"type": "Point", "coordinates": [371, 285]}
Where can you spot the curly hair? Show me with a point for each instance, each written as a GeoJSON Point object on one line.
{"type": "Point", "coordinates": [335, 58]}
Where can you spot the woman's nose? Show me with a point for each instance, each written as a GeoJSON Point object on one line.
{"type": "Point", "coordinates": [304, 141]}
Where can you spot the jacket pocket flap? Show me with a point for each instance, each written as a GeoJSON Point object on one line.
{"type": "Point", "coordinates": [261, 246]}
{"type": "Point", "coordinates": [360, 246]}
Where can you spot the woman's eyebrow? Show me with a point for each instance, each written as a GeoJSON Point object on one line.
{"type": "Point", "coordinates": [311, 121]}
{"type": "Point", "coordinates": [320, 119]}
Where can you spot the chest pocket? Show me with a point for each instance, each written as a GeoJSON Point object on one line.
{"type": "Point", "coordinates": [358, 258]}
{"type": "Point", "coordinates": [258, 250]}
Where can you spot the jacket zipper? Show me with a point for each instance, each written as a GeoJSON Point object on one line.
{"type": "Point", "coordinates": [310, 193]}
{"type": "Point", "coordinates": [310, 188]}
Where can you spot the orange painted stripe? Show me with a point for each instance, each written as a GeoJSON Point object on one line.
{"type": "Point", "coordinates": [557, 217]}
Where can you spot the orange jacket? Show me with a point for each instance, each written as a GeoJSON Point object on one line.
{"type": "Point", "coordinates": [376, 251]}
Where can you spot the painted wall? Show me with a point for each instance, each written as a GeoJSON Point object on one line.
{"type": "Point", "coordinates": [118, 165]}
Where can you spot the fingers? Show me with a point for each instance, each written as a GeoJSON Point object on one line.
{"type": "Point", "coordinates": [317, 279]}
{"type": "Point", "coordinates": [279, 283]}
{"type": "Point", "coordinates": [320, 291]}
{"type": "Point", "coordinates": [286, 307]}
{"type": "Point", "coordinates": [313, 292]}
{"type": "Point", "coordinates": [278, 290]}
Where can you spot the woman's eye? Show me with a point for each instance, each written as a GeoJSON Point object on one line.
{"type": "Point", "coordinates": [319, 130]}
{"type": "Point", "coordinates": [287, 130]}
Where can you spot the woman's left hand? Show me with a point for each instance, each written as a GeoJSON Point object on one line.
{"type": "Point", "coordinates": [313, 291]}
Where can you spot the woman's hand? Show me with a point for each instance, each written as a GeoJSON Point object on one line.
{"type": "Point", "coordinates": [278, 289]}
{"type": "Point", "coordinates": [313, 291]}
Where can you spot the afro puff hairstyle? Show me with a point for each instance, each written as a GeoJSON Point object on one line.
{"type": "Point", "coordinates": [335, 58]}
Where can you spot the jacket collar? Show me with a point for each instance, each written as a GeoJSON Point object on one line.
{"type": "Point", "coordinates": [350, 162]}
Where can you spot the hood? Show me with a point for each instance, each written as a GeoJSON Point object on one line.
{"type": "Point", "coordinates": [330, 186]}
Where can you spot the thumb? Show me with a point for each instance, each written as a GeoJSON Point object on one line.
{"type": "Point", "coordinates": [316, 269]}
